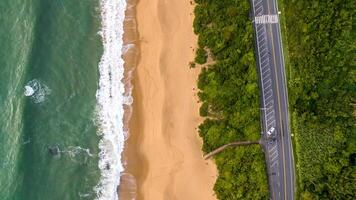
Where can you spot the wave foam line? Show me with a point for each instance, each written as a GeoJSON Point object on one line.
{"type": "Point", "coordinates": [110, 99]}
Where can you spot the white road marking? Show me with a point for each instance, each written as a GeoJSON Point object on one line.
{"type": "Point", "coordinates": [267, 87]}
{"type": "Point", "coordinates": [266, 60]}
{"type": "Point", "coordinates": [257, 3]}
{"type": "Point", "coordinates": [270, 120]}
{"type": "Point", "coordinates": [275, 146]}
{"type": "Point", "coordinates": [266, 72]}
{"type": "Point", "coordinates": [259, 9]}
{"type": "Point", "coordinates": [263, 50]}
{"type": "Point", "coordinates": [262, 40]}
{"type": "Point", "coordinates": [272, 124]}
{"type": "Point", "coordinates": [266, 78]}
{"type": "Point", "coordinates": [266, 19]}
{"type": "Point", "coordinates": [269, 104]}
{"type": "Point", "coordinates": [274, 163]}
{"type": "Point", "coordinates": [263, 44]}
{"type": "Point", "coordinates": [261, 29]}
{"type": "Point", "coordinates": [271, 113]}
{"type": "Point", "coordinates": [268, 94]}
{"type": "Point", "coordinates": [274, 155]}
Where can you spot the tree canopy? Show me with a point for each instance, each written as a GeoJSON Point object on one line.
{"type": "Point", "coordinates": [228, 90]}
{"type": "Point", "coordinates": [322, 47]}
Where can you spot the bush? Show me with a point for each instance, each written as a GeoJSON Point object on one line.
{"type": "Point", "coordinates": [204, 110]}
{"type": "Point", "coordinates": [201, 56]}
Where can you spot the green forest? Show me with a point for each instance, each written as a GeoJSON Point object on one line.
{"type": "Point", "coordinates": [228, 90]}
{"type": "Point", "coordinates": [322, 95]}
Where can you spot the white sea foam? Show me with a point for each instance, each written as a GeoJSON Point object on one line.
{"type": "Point", "coordinates": [127, 47]}
{"type": "Point", "coordinates": [110, 99]}
{"type": "Point", "coordinates": [77, 150]}
{"type": "Point", "coordinates": [29, 91]}
{"type": "Point", "coordinates": [128, 100]}
{"type": "Point", "coordinates": [77, 154]}
{"type": "Point", "coordinates": [36, 90]}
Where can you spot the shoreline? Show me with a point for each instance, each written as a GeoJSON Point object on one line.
{"type": "Point", "coordinates": [127, 190]}
{"type": "Point", "coordinates": [162, 155]}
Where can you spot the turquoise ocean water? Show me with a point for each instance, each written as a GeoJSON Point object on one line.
{"type": "Point", "coordinates": [60, 99]}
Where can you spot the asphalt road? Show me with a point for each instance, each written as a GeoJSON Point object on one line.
{"type": "Point", "coordinates": [274, 99]}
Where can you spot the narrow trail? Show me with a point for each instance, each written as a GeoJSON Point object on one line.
{"type": "Point", "coordinates": [222, 148]}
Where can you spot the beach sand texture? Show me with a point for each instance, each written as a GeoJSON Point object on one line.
{"type": "Point", "coordinates": [163, 151]}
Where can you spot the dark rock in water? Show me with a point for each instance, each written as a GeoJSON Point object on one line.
{"type": "Point", "coordinates": [54, 150]}
{"type": "Point", "coordinates": [107, 166]}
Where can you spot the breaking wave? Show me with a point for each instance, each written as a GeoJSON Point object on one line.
{"type": "Point", "coordinates": [110, 99]}
{"type": "Point", "coordinates": [36, 90]}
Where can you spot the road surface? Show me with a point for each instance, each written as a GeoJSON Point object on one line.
{"type": "Point", "coordinates": [274, 99]}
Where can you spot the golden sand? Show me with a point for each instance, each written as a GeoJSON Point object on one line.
{"type": "Point", "coordinates": [163, 151]}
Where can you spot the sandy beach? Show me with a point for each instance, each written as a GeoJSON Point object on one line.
{"type": "Point", "coordinates": [163, 151]}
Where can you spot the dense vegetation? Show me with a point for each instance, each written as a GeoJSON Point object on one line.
{"type": "Point", "coordinates": [322, 90]}
{"type": "Point", "coordinates": [230, 96]}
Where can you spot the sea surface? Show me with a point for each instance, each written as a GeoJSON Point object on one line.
{"type": "Point", "coordinates": [61, 99]}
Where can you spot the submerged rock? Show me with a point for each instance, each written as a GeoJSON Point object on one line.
{"type": "Point", "coordinates": [54, 150]}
